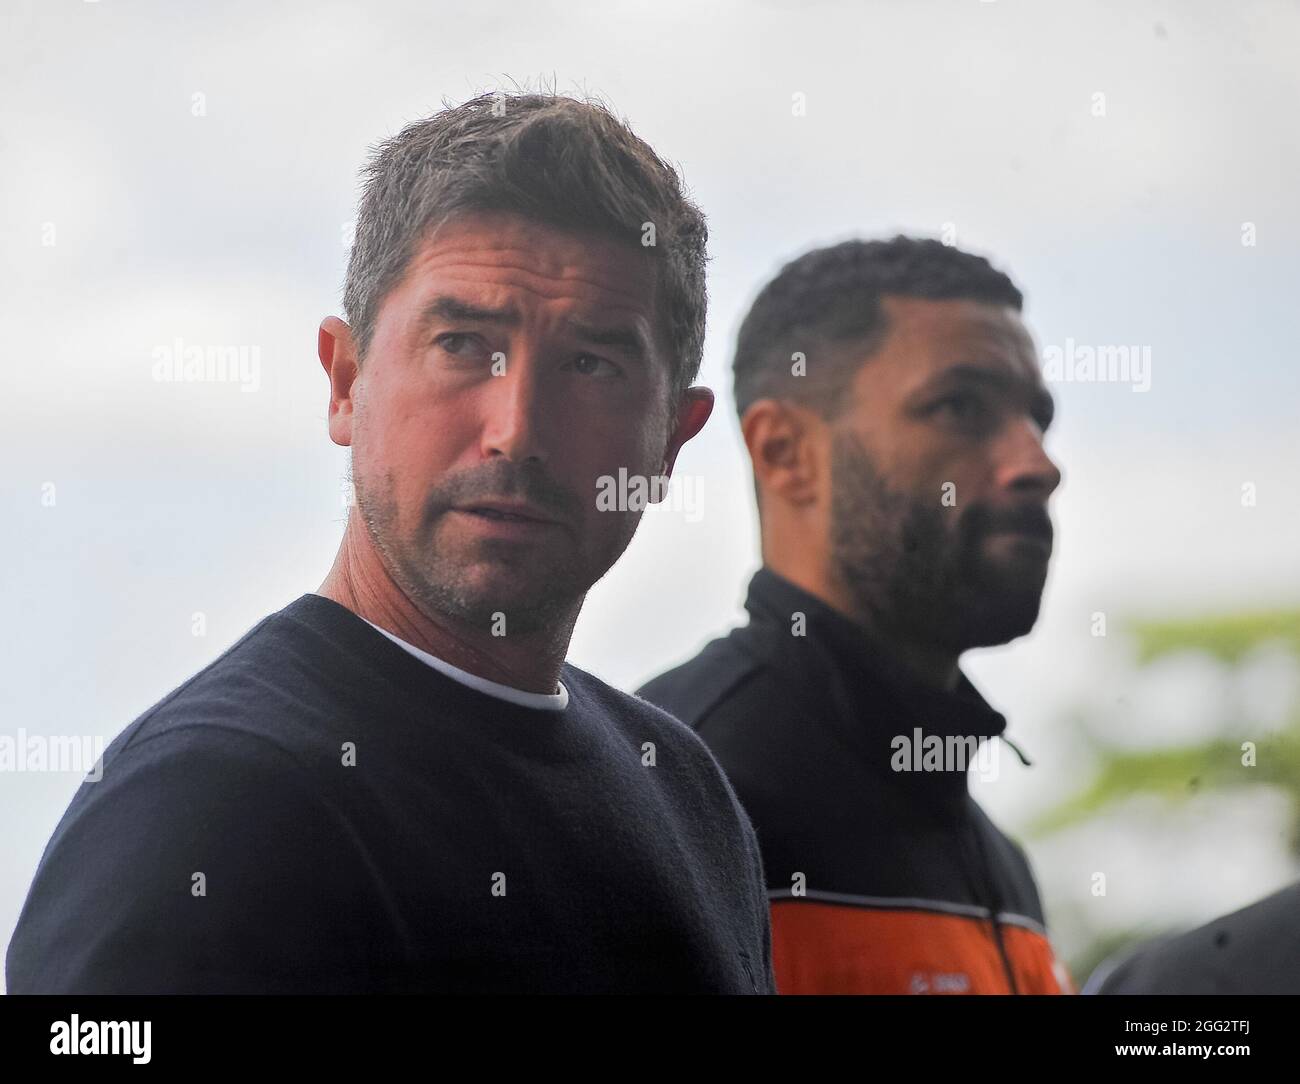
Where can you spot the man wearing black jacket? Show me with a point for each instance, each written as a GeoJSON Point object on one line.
{"type": "Point", "coordinates": [894, 412]}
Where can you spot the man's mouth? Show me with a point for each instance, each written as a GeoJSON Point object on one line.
{"type": "Point", "coordinates": [1029, 538]}
{"type": "Point", "coordinates": [1026, 538]}
{"type": "Point", "coordinates": [508, 512]}
{"type": "Point", "coordinates": [1027, 528]}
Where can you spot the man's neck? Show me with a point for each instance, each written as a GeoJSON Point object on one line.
{"type": "Point", "coordinates": [528, 661]}
{"type": "Point", "coordinates": [925, 662]}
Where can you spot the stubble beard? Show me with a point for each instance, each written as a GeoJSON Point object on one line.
{"type": "Point", "coordinates": [538, 596]}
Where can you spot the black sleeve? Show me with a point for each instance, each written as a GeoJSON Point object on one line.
{"type": "Point", "coordinates": [767, 976]}
{"type": "Point", "coordinates": [769, 973]}
{"type": "Point", "coordinates": [116, 906]}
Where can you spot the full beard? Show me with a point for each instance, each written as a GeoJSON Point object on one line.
{"type": "Point", "coordinates": [916, 567]}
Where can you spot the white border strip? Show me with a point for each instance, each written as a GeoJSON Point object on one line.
{"type": "Point", "coordinates": [909, 903]}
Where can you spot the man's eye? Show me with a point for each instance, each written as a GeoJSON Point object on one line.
{"type": "Point", "coordinates": [592, 365]}
{"type": "Point", "coordinates": [962, 406]}
{"type": "Point", "coordinates": [455, 342]}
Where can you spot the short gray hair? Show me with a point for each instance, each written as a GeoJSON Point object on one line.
{"type": "Point", "coordinates": [566, 162]}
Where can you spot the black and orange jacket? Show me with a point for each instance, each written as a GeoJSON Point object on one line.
{"type": "Point", "coordinates": [880, 881]}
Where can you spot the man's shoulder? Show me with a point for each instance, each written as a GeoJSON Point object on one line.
{"type": "Point", "coordinates": [182, 773]}
{"type": "Point", "coordinates": [181, 861]}
{"type": "Point", "coordinates": [264, 688]}
{"type": "Point", "coordinates": [1255, 950]}
{"type": "Point", "coordinates": [741, 708]}
{"type": "Point", "coordinates": [246, 722]}
{"type": "Point", "coordinates": [1021, 895]}
{"type": "Point", "coordinates": [719, 682]}
{"type": "Point", "coordinates": [632, 712]}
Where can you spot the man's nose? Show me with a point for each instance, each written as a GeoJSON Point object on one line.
{"type": "Point", "coordinates": [513, 419]}
{"type": "Point", "coordinates": [1023, 463]}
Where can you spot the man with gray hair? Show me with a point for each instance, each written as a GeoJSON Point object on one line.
{"type": "Point", "coordinates": [397, 783]}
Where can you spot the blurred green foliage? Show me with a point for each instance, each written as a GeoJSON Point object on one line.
{"type": "Point", "coordinates": [1227, 638]}
{"type": "Point", "coordinates": [1179, 772]}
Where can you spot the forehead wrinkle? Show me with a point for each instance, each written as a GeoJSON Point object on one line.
{"type": "Point", "coordinates": [555, 292]}
{"type": "Point", "coordinates": [528, 261]}
{"type": "Point", "coordinates": [589, 292]}
{"type": "Point", "coordinates": [577, 313]}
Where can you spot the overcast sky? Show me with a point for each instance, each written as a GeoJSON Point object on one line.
{"type": "Point", "coordinates": [188, 172]}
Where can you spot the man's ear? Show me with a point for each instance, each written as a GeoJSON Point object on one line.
{"type": "Point", "coordinates": [338, 356]}
{"type": "Point", "coordinates": [692, 412]}
{"type": "Point", "coordinates": [783, 450]}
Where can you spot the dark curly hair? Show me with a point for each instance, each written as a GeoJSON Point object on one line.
{"type": "Point", "coordinates": [831, 296]}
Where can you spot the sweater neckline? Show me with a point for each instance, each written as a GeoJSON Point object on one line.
{"type": "Point", "coordinates": [412, 677]}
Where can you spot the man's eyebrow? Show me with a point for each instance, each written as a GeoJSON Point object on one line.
{"type": "Point", "coordinates": [627, 338]}
{"type": "Point", "coordinates": [453, 309]}
{"type": "Point", "coordinates": [1042, 404]}
{"type": "Point", "coordinates": [977, 374]}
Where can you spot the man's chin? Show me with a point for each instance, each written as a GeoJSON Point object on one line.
{"type": "Point", "coordinates": [998, 619]}
{"type": "Point", "coordinates": [493, 593]}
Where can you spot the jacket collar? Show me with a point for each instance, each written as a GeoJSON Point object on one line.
{"type": "Point", "coordinates": [849, 682]}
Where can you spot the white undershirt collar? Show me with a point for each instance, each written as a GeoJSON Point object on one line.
{"type": "Point", "coordinates": [544, 701]}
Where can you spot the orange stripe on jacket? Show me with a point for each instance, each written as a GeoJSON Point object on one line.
{"type": "Point", "coordinates": [826, 948]}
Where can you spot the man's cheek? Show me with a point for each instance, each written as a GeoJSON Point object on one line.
{"type": "Point", "coordinates": [627, 488]}
{"type": "Point", "coordinates": [975, 549]}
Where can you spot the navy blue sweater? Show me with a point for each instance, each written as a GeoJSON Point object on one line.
{"type": "Point", "coordinates": [319, 811]}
